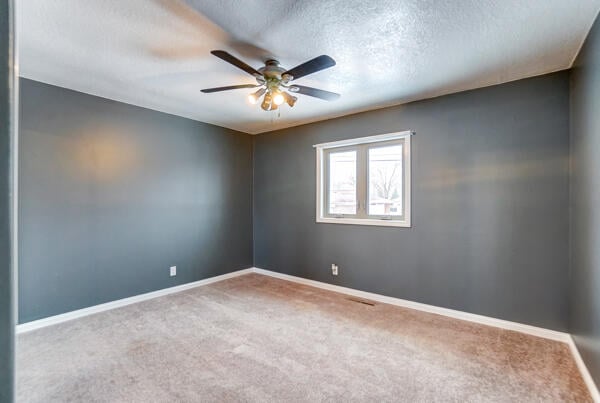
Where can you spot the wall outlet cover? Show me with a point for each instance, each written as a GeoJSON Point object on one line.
{"type": "Point", "coordinates": [173, 271]}
{"type": "Point", "coordinates": [334, 269]}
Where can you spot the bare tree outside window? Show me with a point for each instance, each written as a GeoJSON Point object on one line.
{"type": "Point", "coordinates": [385, 180]}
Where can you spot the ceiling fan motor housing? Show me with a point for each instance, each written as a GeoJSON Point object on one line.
{"type": "Point", "coordinates": [272, 74]}
{"type": "Point", "coordinates": [272, 69]}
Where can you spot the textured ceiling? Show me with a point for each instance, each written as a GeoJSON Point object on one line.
{"type": "Point", "coordinates": [155, 53]}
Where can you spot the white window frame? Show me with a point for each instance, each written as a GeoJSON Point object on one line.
{"type": "Point", "coordinates": [361, 217]}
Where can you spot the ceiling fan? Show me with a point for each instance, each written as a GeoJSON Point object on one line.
{"type": "Point", "coordinates": [275, 81]}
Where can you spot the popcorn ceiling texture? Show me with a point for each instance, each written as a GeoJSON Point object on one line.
{"type": "Point", "coordinates": [155, 53]}
{"type": "Point", "coordinates": [255, 338]}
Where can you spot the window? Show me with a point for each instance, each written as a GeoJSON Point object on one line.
{"type": "Point", "coordinates": [365, 181]}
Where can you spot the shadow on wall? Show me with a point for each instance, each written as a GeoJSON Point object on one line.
{"type": "Point", "coordinates": [490, 168]}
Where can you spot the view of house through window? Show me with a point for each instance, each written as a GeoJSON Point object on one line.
{"type": "Point", "coordinates": [342, 182]}
{"type": "Point", "coordinates": [365, 181]}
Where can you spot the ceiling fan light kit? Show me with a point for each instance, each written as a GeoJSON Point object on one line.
{"type": "Point", "coordinates": [274, 81]}
{"type": "Point", "coordinates": [255, 96]}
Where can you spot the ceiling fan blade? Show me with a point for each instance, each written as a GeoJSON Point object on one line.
{"type": "Point", "coordinates": [231, 87]}
{"type": "Point", "coordinates": [315, 92]}
{"type": "Point", "coordinates": [229, 58]}
{"type": "Point", "coordinates": [312, 66]}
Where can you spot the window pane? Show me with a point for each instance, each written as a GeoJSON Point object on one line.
{"type": "Point", "coordinates": [342, 182]}
{"type": "Point", "coordinates": [385, 180]}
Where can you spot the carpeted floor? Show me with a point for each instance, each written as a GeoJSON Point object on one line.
{"type": "Point", "coordinates": [260, 339]}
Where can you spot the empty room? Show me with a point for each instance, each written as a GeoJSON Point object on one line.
{"type": "Point", "coordinates": [299, 201]}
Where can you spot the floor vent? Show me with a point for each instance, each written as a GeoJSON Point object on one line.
{"type": "Point", "coordinates": [362, 301]}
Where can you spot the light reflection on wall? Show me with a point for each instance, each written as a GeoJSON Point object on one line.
{"type": "Point", "coordinates": [105, 153]}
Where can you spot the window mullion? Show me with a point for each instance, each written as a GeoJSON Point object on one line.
{"type": "Point", "coordinates": [361, 181]}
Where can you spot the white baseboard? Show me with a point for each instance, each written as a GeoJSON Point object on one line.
{"type": "Point", "coordinates": [471, 317]}
{"type": "Point", "coordinates": [53, 320]}
{"type": "Point", "coordinates": [485, 320]}
{"type": "Point", "coordinates": [585, 374]}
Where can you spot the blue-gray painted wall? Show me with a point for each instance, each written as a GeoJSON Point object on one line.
{"type": "Point", "coordinates": [585, 202]}
{"type": "Point", "coordinates": [6, 280]}
{"type": "Point", "coordinates": [490, 204]}
{"type": "Point", "coordinates": [112, 195]}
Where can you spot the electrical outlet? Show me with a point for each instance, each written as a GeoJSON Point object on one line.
{"type": "Point", "coordinates": [173, 271]}
{"type": "Point", "coordinates": [334, 269]}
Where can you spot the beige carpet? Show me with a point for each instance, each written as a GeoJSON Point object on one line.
{"type": "Point", "coordinates": [255, 338]}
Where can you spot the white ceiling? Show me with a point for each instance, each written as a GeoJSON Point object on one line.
{"type": "Point", "coordinates": [155, 53]}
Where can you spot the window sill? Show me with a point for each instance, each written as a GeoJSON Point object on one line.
{"type": "Point", "coordinates": [364, 221]}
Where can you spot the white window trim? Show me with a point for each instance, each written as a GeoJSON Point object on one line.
{"type": "Point", "coordinates": [320, 202]}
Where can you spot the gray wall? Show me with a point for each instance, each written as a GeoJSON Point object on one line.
{"type": "Point", "coordinates": [585, 201]}
{"type": "Point", "coordinates": [112, 195]}
{"type": "Point", "coordinates": [6, 282]}
{"type": "Point", "coordinates": [490, 204]}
